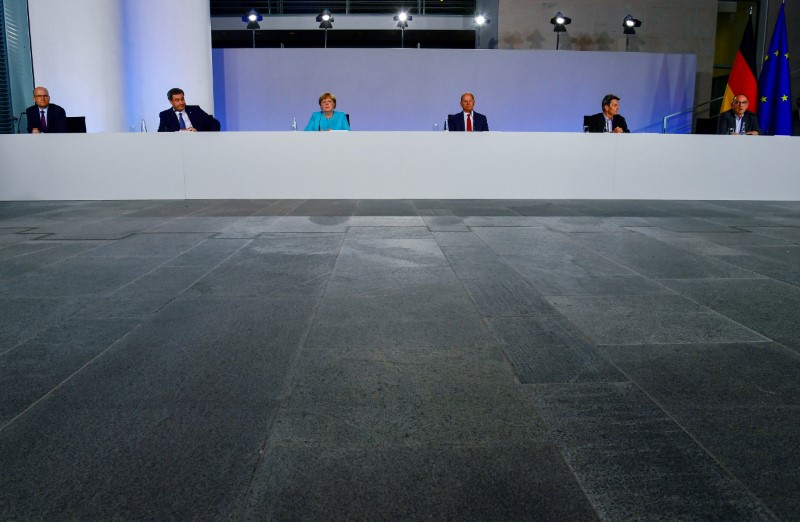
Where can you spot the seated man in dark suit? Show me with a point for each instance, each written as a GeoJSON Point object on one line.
{"type": "Point", "coordinates": [45, 116]}
{"type": "Point", "coordinates": [467, 120]}
{"type": "Point", "coordinates": [182, 117]}
{"type": "Point", "coordinates": [796, 119]}
{"type": "Point", "coordinates": [738, 120]}
{"type": "Point", "coordinates": [609, 120]}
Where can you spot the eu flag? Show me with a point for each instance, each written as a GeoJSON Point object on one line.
{"type": "Point", "coordinates": [775, 109]}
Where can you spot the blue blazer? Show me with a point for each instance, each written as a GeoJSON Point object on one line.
{"type": "Point", "coordinates": [56, 118]}
{"type": "Point", "coordinates": [201, 120]}
{"type": "Point", "coordinates": [319, 122]}
{"type": "Point", "coordinates": [455, 122]}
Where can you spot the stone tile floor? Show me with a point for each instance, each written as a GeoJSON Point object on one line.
{"type": "Point", "coordinates": [399, 360]}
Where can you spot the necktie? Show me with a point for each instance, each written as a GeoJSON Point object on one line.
{"type": "Point", "coordinates": [469, 122]}
{"type": "Point", "coordinates": [180, 118]}
{"type": "Point", "coordinates": [44, 123]}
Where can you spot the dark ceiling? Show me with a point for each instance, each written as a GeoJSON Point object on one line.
{"type": "Point", "coordinates": [343, 38]}
{"type": "Point", "coordinates": [276, 7]}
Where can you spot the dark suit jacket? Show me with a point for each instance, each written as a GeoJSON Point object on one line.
{"type": "Point", "coordinates": [727, 121]}
{"type": "Point", "coordinates": [455, 122]}
{"type": "Point", "coordinates": [201, 121]}
{"type": "Point", "coordinates": [56, 118]}
{"type": "Point", "coordinates": [597, 123]}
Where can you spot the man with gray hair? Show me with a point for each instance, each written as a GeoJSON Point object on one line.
{"type": "Point", "coordinates": [45, 117]}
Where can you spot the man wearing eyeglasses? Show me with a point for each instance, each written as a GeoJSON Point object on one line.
{"type": "Point", "coordinates": [45, 117]}
{"type": "Point", "coordinates": [738, 120]}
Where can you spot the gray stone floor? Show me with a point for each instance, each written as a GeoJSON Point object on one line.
{"type": "Point", "coordinates": [400, 360]}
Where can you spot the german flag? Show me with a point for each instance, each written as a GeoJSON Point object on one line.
{"type": "Point", "coordinates": [743, 76]}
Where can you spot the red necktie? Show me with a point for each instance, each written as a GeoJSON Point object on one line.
{"type": "Point", "coordinates": [469, 122]}
{"type": "Point", "coordinates": [44, 123]}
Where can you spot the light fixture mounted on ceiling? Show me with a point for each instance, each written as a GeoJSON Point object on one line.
{"type": "Point", "coordinates": [252, 18]}
{"type": "Point", "coordinates": [559, 22]}
{"type": "Point", "coordinates": [629, 25]}
{"type": "Point", "coordinates": [325, 19]}
{"type": "Point", "coordinates": [402, 18]}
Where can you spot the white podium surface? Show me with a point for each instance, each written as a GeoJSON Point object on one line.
{"type": "Point", "coordinates": [397, 165]}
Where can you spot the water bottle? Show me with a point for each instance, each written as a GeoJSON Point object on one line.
{"type": "Point", "coordinates": [435, 126]}
{"type": "Point", "coordinates": [294, 124]}
{"type": "Point", "coordinates": [742, 130]}
{"type": "Point", "coordinates": [143, 126]}
{"type": "Point", "coordinates": [445, 125]}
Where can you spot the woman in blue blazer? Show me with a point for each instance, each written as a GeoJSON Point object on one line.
{"type": "Point", "coordinates": [327, 119]}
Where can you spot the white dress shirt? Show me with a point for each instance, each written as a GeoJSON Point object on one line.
{"type": "Point", "coordinates": [186, 119]}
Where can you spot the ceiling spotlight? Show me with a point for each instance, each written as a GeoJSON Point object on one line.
{"type": "Point", "coordinates": [630, 24]}
{"type": "Point", "coordinates": [559, 21]}
{"type": "Point", "coordinates": [325, 18]}
{"type": "Point", "coordinates": [252, 20]}
{"type": "Point", "coordinates": [402, 18]}
{"type": "Point", "coordinates": [481, 20]}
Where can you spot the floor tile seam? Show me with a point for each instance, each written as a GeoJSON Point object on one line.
{"type": "Point", "coordinates": [20, 230]}
{"type": "Point", "coordinates": [285, 391]}
{"type": "Point", "coordinates": [767, 341]}
{"type": "Point", "coordinates": [720, 465]}
{"type": "Point", "coordinates": [29, 232]}
{"type": "Point", "coordinates": [532, 442]}
{"type": "Point", "coordinates": [72, 375]}
{"type": "Point", "coordinates": [552, 432]}
{"type": "Point", "coordinates": [166, 265]}
{"type": "Point", "coordinates": [643, 294]}
{"type": "Point", "coordinates": [662, 241]}
{"type": "Point", "coordinates": [170, 233]}
{"type": "Point", "coordinates": [18, 256]}
{"type": "Point", "coordinates": [714, 312]}
{"type": "Point", "coordinates": [176, 296]}
{"type": "Point", "coordinates": [711, 311]}
{"type": "Point", "coordinates": [192, 213]}
{"type": "Point", "coordinates": [721, 259]}
{"type": "Point", "coordinates": [552, 311]}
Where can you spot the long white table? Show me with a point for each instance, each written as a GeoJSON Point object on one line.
{"type": "Point", "coordinates": [392, 165]}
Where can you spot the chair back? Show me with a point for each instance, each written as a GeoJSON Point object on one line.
{"type": "Point", "coordinates": [76, 124]}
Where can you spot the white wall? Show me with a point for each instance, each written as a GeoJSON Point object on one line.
{"type": "Point", "coordinates": [77, 49]}
{"type": "Point", "coordinates": [413, 89]}
{"type": "Point", "coordinates": [168, 44]}
{"type": "Point", "coordinates": [113, 61]}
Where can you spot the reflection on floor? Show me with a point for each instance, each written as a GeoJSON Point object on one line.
{"type": "Point", "coordinates": [396, 360]}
